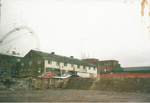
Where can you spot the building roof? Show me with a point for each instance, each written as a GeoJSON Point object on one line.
{"type": "Point", "coordinates": [143, 68]}
{"type": "Point", "coordinates": [106, 60]}
{"type": "Point", "coordinates": [90, 59]}
{"type": "Point", "coordinates": [9, 58]}
{"type": "Point", "coordinates": [54, 57]}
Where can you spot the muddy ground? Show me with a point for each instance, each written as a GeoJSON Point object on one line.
{"type": "Point", "coordinates": [49, 95]}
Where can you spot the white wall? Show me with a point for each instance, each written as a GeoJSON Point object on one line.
{"type": "Point", "coordinates": [69, 67]}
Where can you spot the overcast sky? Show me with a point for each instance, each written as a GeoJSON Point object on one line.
{"type": "Point", "coordinates": [102, 29]}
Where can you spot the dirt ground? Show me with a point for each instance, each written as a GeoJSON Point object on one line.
{"type": "Point", "coordinates": [49, 95]}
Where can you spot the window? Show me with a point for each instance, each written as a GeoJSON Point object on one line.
{"type": "Point", "coordinates": [57, 63]}
{"type": "Point", "coordinates": [31, 55]}
{"type": "Point", "coordinates": [3, 71]}
{"type": "Point", "coordinates": [14, 63]}
{"type": "Point", "coordinates": [47, 69]}
{"type": "Point", "coordinates": [89, 68]}
{"type": "Point", "coordinates": [63, 72]}
{"type": "Point", "coordinates": [4, 62]}
{"type": "Point", "coordinates": [71, 65]}
{"type": "Point", "coordinates": [106, 63]}
{"type": "Point", "coordinates": [65, 64]}
{"type": "Point", "coordinates": [30, 62]}
{"type": "Point", "coordinates": [18, 60]}
{"type": "Point", "coordinates": [49, 62]}
{"type": "Point", "coordinates": [107, 70]}
{"type": "Point", "coordinates": [12, 71]}
{"type": "Point", "coordinates": [22, 64]}
{"type": "Point", "coordinates": [78, 66]}
{"type": "Point", "coordinates": [39, 61]}
{"type": "Point", "coordinates": [94, 68]}
{"type": "Point", "coordinates": [83, 67]}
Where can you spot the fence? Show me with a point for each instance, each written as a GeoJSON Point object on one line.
{"type": "Point", "coordinates": [125, 75]}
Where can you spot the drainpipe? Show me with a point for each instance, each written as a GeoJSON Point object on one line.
{"type": "Point", "coordinates": [98, 68]}
{"type": "Point", "coordinates": [112, 67]}
{"type": "Point", "coordinates": [49, 83]}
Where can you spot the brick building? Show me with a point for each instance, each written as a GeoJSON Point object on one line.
{"type": "Point", "coordinates": [105, 65]}
{"type": "Point", "coordinates": [8, 64]}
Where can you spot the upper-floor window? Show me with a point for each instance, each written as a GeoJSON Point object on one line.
{"type": "Point", "coordinates": [94, 68]}
{"type": "Point", "coordinates": [4, 62]}
{"type": "Point", "coordinates": [31, 55]}
{"type": "Point", "coordinates": [100, 63]}
{"type": "Point", "coordinates": [89, 68]}
{"type": "Point", "coordinates": [49, 62]}
{"type": "Point", "coordinates": [30, 62]}
{"type": "Point", "coordinates": [18, 60]}
{"type": "Point", "coordinates": [22, 64]}
{"type": "Point", "coordinates": [39, 61]}
{"type": "Point", "coordinates": [65, 64]}
{"type": "Point", "coordinates": [71, 65]}
{"type": "Point", "coordinates": [78, 66]}
{"type": "Point", "coordinates": [14, 63]}
{"type": "Point", "coordinates": [12, 71]}
{"type": "Point", "coordinates": [83, 67]}
{"type": "Point", "coordinates": [106, 63]}
{"type": "Point", "coordinates": [57, 63]}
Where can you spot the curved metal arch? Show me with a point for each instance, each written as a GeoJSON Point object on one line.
{"type": "Point", "coordinates": [19, 28]}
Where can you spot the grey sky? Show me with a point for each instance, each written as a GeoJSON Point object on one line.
{"type": "Point", "coordinates": [105, 30]}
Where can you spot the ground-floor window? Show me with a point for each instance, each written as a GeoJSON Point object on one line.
{"type": "Point", "coordinates": [3, 72]}
{"type": "Point", "coordinates": [63, 72]}
{"type": "Point", "coordinates": [107, 70]}
{"type": "Point", "coordinates": [56, 71]}
{"type": "Point", "coordinates": [12, 71]}
{"type": "Point", "coordinates": [49, 70]}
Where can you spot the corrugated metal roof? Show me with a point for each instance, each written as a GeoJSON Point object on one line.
{"type": "Point", "coordinates": [143, 68]}
{"type": "Point", "coordinates": [54, 57]}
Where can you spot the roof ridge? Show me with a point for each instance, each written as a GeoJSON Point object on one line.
{"type": "Point", "coordinates": [62, 58]}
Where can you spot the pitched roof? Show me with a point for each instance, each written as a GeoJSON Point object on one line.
{"type": "Point", "coordinates": [9, 57]}
{"type": "Point", "coordinates": [143, 68]}
{"type": "Point", "coordinates": [54, 57]}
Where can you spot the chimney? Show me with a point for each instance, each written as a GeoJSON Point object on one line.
{"type": "Point", "coordinates": [52, 52]}
{"type": "Point", "coordinates": [71, 56]}
{"type": "Point", "coordinates": [14, 52]}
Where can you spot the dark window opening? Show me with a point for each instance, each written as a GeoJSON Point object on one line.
{"type": "Point", "coordinates": [49, 62]}
{"type": "Point", "coordinates": [65, 64]}
{"type": "Point", "coordinates": [78, 66]}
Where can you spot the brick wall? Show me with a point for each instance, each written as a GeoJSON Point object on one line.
{"type": "Point", "coordinates": [91, 61]}
{"type": "Point", "coordinates": [32, 83]}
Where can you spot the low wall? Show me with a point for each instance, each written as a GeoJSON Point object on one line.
{"type": "Point", "coordinates": [126, 75]}
{"type": "Point", "coordinates": [118, 84]}
{"type": "Point", "coordinates": [32, 83]}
